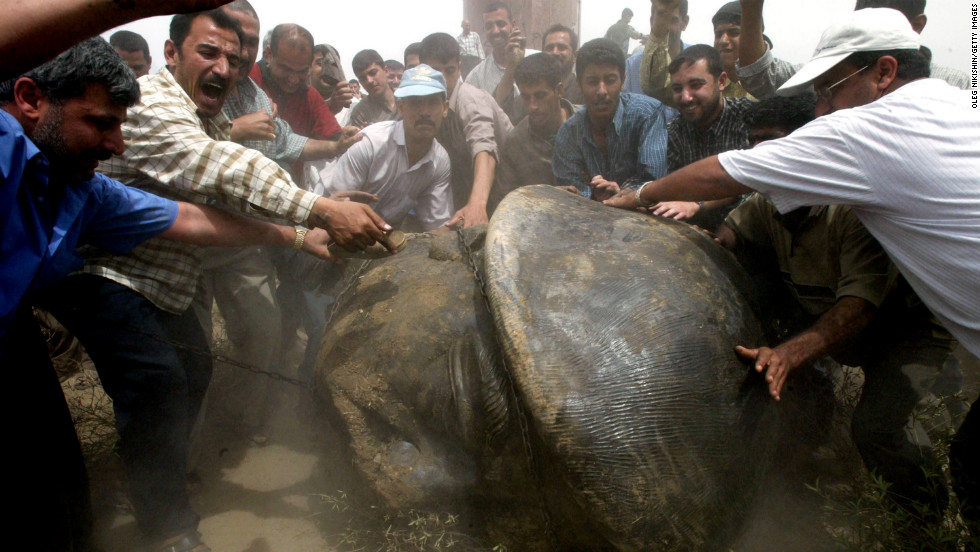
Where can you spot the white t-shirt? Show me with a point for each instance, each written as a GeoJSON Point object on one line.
{"type": "Point", "coordinates": [378, 164]}
{"type": "Point", "coordinates": [909, 166]}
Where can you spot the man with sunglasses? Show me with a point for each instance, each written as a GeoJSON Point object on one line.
{"type": "Point", "coordinates": [901, 150]}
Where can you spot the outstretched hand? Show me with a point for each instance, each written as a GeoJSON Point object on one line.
{"type": "Point", "coordinates": [316, 243]}
{"type": "Point", "coordinates": [352, 225]}
{"type": "Point", "coordinates": [677, 210]}
{"type": "Point", "coordinates": [625, 199]}
{"type": "Point", "coordinates": [771, 363]}
{"type": "Point", "coordinates": [603, 189]}
{"type": "Point", "coordinates": [469, 215]}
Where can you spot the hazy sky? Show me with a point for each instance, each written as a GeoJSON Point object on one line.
{"type": "Point", "coordinates": [389, 25]}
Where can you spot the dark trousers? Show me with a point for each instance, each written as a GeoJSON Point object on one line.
{"type": "Point", "coordinates": [48, 495]}
{"type": "Point", "coordinates": [964, 464]}
{"type": "Point", "coordinates": [155, 366]}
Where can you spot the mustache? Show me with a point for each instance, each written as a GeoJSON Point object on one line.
{"type": "Point", "coordinates": [215, 80]}
{"type": "Point", "coordinates": [425, 121]}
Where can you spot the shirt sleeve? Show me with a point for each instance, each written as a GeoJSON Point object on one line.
{"type": "Point", "coordinates": [790, 173]}
{"type": "Point", "coordinates": [864, 266]}
{"type": "Point", "coordinates": [478, 119]}
{"type": "Point", "coordinates": [568, 162]}
{"type": "Point", "coordinates": [747, 221]}
{"type": "Point", "coordinates": [126, 217]}
{"type": "Point", "coordinates": [765, 75]}
{"type": "Point", "coordinates": [435, 206]}
{"type": "Point", "coordinates": [168, 152]}
{"type": "Point", "coordinates": [654, 77]}
{"type": "Point", "coordinates": [289, 145]}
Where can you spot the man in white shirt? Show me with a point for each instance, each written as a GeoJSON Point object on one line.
{"type": "Point", "coordinates": [400, 162]}
{"type": "Point", "coordinates": [495, 74]}
{"type": "Point", "coordinates": [901, 151]}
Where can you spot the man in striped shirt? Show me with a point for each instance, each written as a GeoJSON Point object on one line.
{"type": "Point", "coordinates": [709, 124]}
{"type": "Point", "coordinates": [619, 139]}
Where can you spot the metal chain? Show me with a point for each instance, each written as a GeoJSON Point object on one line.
{"type": "Point", "coordinates": [522, 417]}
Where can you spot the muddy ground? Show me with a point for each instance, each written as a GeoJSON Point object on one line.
{"type": "Point", "coordinates": [296, 491]}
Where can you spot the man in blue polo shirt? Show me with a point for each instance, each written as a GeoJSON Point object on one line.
{"type": "Point", "coordinates": [56, 123]}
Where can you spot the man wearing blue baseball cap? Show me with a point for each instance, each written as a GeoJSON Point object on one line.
{"type": "Point", "coordinates": [901, 150]}
{"type": "Point", "coordinates": [400, 162]}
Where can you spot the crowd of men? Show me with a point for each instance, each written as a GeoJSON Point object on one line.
{"type": "Point", "coordinates": [132, 206]}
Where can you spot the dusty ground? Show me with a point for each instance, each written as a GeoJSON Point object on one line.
{"type": "Point", "coordinates": [296, 492]}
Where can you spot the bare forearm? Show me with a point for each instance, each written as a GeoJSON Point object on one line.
{"type": "Point", "coordinates": [484, 167]}
{"type": "Point", "coordinates": [34, 31]}
{"type": "Point", "coordinates": [752, 45]}
{"type": "Point", "coordinates": [701, 181]}
{"type": "Point", "coordinates": [208, 226]}
{"type": "Point", "coordinates": [831, 333]}
{"type": "Point", "coordinates": [318, 149]}
{"type": "Point", "coordinates": [504, 93]}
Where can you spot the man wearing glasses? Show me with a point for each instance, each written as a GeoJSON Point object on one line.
{"type": "Point", "coordinates": [897, 147]}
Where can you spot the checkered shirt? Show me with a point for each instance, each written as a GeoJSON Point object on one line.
{"type": "Point", "coordinates": [172, 152]}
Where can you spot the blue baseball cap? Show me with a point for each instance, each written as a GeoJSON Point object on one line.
{"type": "Point", "coordinates": [421, 80]}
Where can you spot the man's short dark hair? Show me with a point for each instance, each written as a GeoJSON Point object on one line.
{"type": "Point", "coordinates": [536, 68]}
{"type": "Point", "coordinates": [285, 30]}
{"type": "Point", "coordinates": [128, 41]}
{"type": "Point", "coordinates": [694, 54]}
{"type": "Point", "coordinates": [441, 47]}
{"type": "Point", "coordinates": [729, 13]}
{"type": "Point", "coordinates": [909, 8]}
{"type": "Point", "coordinates": [911, 63]}
{"type": "Point", "coordinates": [559, 28]}
{"type": "Point", "coordinates": [243, 6]}
{"type": "Point", "coordinates": [393, 65]}
{"type": "Point", "coordinates": [323, 50]}
{"type": "Point", "coordinates": [180, 25]}
{"type": "Point", "coordinates": [627, 13]}
{"type": "Point", "coordinates": [494, 6]}
{"type": "Point", "coordinates": [364, 59]}
{"type": "Point", "coordinates": [786, 114]}
{"type": "Point", "coordinates": [352, 81]}
{"type": "Point", "coordinates": [413, 48]}
{"type": "Point", "coordinates": [600, 51]}
{"type": "Point", "coordinates": [92, 61]}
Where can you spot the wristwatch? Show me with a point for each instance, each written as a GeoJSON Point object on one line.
{"type": "Point", "coordinates": [300, 238]}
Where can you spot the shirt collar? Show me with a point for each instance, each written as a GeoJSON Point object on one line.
{"type": "Point", "coordinates": [32, 154]}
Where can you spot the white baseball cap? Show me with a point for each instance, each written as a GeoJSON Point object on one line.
{"type": "Point", "coordinates": [866, 30]}
{"type": "Point", "coordinates": [421, 80]}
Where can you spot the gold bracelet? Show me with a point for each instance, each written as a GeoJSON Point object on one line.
{"type": "Point", "coordinates": [300, 238]}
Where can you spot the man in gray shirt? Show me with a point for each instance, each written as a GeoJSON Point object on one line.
{"type": "Point", "coordinates": [380, 103]}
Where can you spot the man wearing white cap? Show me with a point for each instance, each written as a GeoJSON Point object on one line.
{"type": "Point", "coordinates": [400, 162]}
{"type": "Point", "coordinates": [901, 151]}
